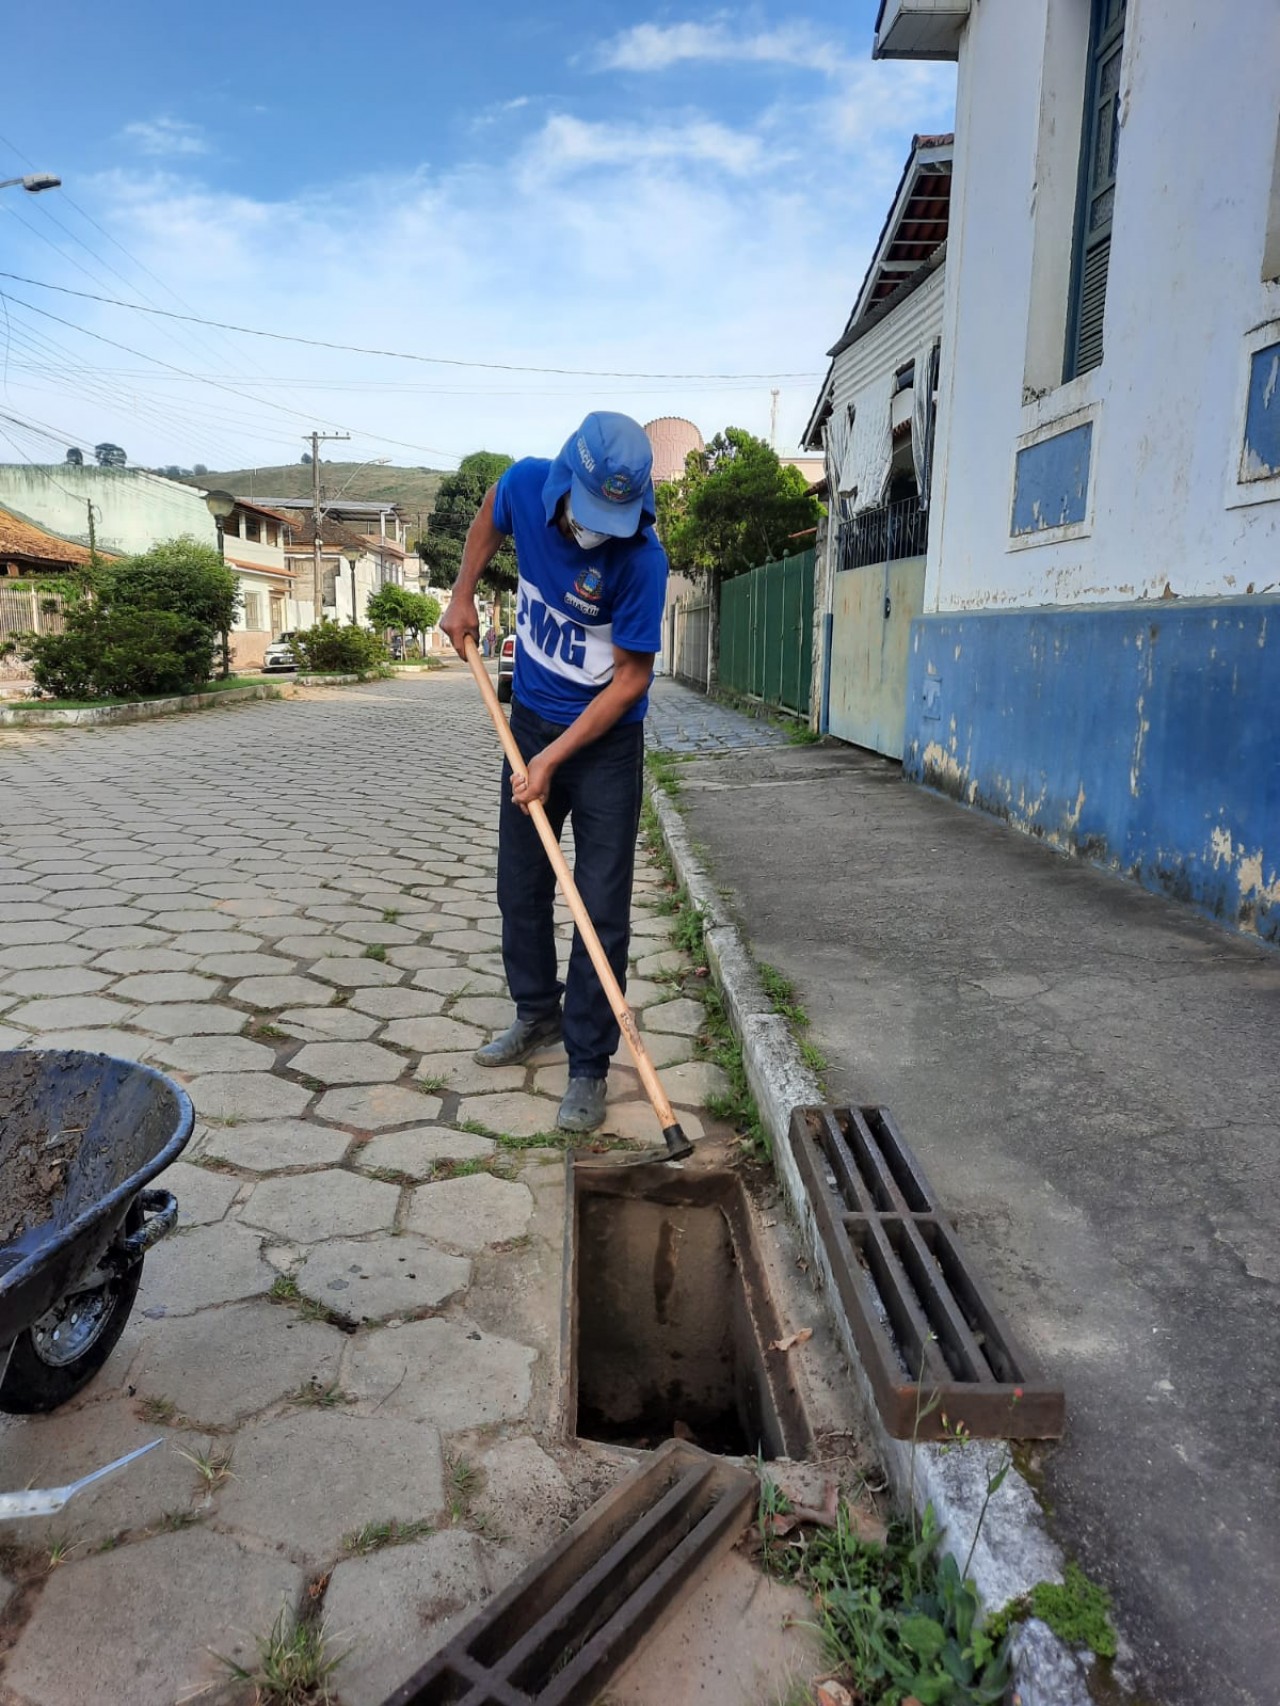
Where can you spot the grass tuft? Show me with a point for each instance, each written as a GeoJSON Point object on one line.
{"type": "Point", "coordinates": [295, 1664]}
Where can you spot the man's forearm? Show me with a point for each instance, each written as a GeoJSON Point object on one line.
{"type": "Point", "coordinates": [600, 715]}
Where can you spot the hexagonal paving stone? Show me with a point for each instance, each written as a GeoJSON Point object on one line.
{"type": "Point", "coordinates": [246, 1096]}
{"type": "Point", "coordinates": [638, 1122]}
{"type": "Point", "coordinates": [374, 1107]}
{"type": "Point", "coordinates": [98, 1040]}
{"type": "Point", "coordinates": [390, 935]}
{"type": "Point", "coordinates": [306, 1207]}
{"type": "Point", "coordinates": [398, 1003]}
{"type": "Point", "coordinates": [270, 992]}
{"type": "Point", "coordinates": [189, 919]}
{"type": "Point", "coordinates": [49, 1451]}
{"type": "Point", "coordinates": [244, 965]}
{"type": "Point", "coordinates": [40, 931]}
{"type": "Point", "coordinates": [664, 1050]}
{"type": "Point", "coordinates": [54, 980]}
{"type": "Point", "coordinates": [421, 958]}
{"type": "Point", "coordinates": [524, 1493]}
{"type": "Point", "coordinates": [655, 964]}
{"type": "Point", "coordinates": [680, 1018]}
{"type": "Point", "coordinates": [37, 955]}
{"type": "Point", "coordinates": [432, 1036]}
{"type": "Point", "coordinates": [306, 1480]}
{"type": "Point", "coordinates": [446, 1372]}
{"type": "Point", "coordinates": [188, 1271]}
{"type": "Point", "coordinates": [474, 941]}
{"type": "Point", "coordinates": [416, 1596]}
{"type": "Point", "coordinates": [416, 1152]}
{"type": "Point", "coordinates": [201, 942]}
{"type": "Point", "coordinates": [347, 1063]}
{"type": "Point", "coordinates": [272, 1146]}
{"type": "Point", "coordinates": [463, 1073]}
{"type": "Point", "coordinates": [202, 1589]}
{"type": "Point", "coordinates": [472, 1212]}
{"type": "Point", "coordinates": [124, 961]}
{"type": "Point", "coordinates": [203, 1196]}
{"type": "Point", "coordinates": [63, 1012]}
{"type": "Point", "coordinates": [513, 1113]}
{"type": "Point", "coordinates": [214, 1054]}
{"type": "Point", "coordinates": [166, 986]}
{"type": "Point", "coordinates": [375, 1278]}
{"type": "Point", "coordinates": [190, 1019]}
{"type": "Point", "coordinates": [106, 936]}
{"type": "Point", "coordinates": [457, 980]}
{"type": "Point", "coordinates": [326, 1024]}
{"type": "Point", "coordinates": [689, 1085]}
{"type": "Point", "coordinates": [350, 972]}
{"type": "Point", "coordinates": [225, 1364]}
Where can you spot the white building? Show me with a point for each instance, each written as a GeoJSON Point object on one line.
{"type": "Point", "coordinates": [874, 420]}
{"type": "Point", "coordinates": [1096, 660]}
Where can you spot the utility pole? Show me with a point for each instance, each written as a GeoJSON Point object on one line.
{"type": "Point", "coordinates": [773, 419]}
{"type": "Point", "coordinates": [317, 604]}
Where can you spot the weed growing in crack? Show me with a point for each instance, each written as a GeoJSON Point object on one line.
{"type": "Point", "coordinates": [462, 1483]}
{"type": "Point", "coordinates": [431, 1081]}
{"type": "Point", "coordinates": [284, 1289]}
{"type": "Point", "coordinates": [664, 770]}
{"type": "Point", "coordinates": [60, 1551]}
{"type": "Point", "coordinates": [272, 1032]}
{"type": "Point", "coordinates": [376, 951]}
{"type": "Point", "coordinates": [173, 1522]}
{"type": "Point", "coordinates": [390, 914]}
{"type": "Point", "coordinates": [160, 1412]}
{"type": "Point", "coordinates": [295, 1664]}
{"type": "Point", "coordinates": [312, 1395]}
{"type": "Point", "coordinates": [375, 1535]}
{"type": "Point", "coordinates": [212, 1464]}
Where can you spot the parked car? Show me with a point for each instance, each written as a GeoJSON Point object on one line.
{"type": "Point", "coordinates": [506, 669]}
{"type": "Point", "coordinates": [280, 655]}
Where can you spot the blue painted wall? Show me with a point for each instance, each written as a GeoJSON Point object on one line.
{"type": "Point", "coordinates": [1051, 482]}
{"type": "Point", "coordinates": [1145, 738]}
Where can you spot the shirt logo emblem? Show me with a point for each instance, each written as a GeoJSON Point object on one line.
{"type": "Point", "coordinates": [589, 582]}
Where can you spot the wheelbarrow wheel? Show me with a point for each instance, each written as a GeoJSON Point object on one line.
{"type": "Point", "coordinates": [61, 1353]}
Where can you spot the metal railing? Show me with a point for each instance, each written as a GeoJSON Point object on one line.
{"type": "Point", "coordinates": [884, 535]}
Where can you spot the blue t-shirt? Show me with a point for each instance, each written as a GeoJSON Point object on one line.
{"type": "Point", "coordinates": [574, 606]}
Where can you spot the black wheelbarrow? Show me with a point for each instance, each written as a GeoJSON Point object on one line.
{"type": "Point", "coordinates": [81, 1136]}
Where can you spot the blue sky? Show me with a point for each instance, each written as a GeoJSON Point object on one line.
{"type": "Point", "coordinates": [661, 192]}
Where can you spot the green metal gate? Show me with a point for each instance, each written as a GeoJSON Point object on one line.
{"type": "Point", "coordinates": [766, 633]}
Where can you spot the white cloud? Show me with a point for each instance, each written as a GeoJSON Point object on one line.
{"type": "Point", "coordinates": [166, 136]}
{"type": "Point", "coordinates": [657, 47]}
{"type": "Point", "coordinates": [666, 242]}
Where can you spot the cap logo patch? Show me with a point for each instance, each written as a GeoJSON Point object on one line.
{"type": "Point", "coordinates": [617, 488]}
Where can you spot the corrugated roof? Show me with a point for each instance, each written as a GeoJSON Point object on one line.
{"type": "Point", "coordinates": [22, 541]}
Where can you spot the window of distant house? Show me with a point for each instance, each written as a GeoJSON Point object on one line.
{"type": "Point", "coordinates": [273, 533]}
{"type": "Point", "coordinates": [253, 610]}
{"type": "Point", "coordinates": [1099, 157]}
{"type": "Point", "coordinates": [252, 527]}
{"type": "Point", "coordinates": [232, 525]}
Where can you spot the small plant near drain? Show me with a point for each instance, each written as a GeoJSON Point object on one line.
{"type": "Point", "coordinates": [376, 951]}
{"type": "Point", "coordinates": [60, 1550]}
{"type": "Point", "coordinates": [1076, 1609]}
{"type": "Point", "coordinates": [284, 1289]}
{"type": "Point", "coordinates": [375, 1535]}
{"type": "Point", "coordinates": [662, 767]}
{"type": "Point", "coordinates": [462, 1483]}
{"type": "Point", "coordinates": [295, 1664]}
{"type": "Point", "coordinates": [211, 1463]}
{"type": "Point", "coordinates": [160, 1412]}
{"type": "Point", "coordinates": [313, 1396]}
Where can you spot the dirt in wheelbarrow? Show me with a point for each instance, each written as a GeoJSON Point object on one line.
{"type": "Point", "coordinates": [34, 1164]}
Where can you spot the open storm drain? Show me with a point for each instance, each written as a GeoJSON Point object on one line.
{"type": "Point", "coordinates": [670, 1320]}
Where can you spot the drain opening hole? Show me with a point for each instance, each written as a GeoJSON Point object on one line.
{"type": "Point", "coordinates": [666, 1341]}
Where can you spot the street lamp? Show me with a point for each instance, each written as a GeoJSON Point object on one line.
{"type": "Point", "coordinates": [352, 555]}
{"type": "Point", "coordinates": [220, 506]}
{"type": "Point", "coordinates": [34, 182]}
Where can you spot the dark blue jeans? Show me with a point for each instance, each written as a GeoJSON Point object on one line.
{"type": "Point", "coordinates": [600, 789]}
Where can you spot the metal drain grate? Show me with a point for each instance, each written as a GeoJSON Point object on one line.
{"type": "Point", "coordinates": [564, 1626]}
{"type": "Point", "coordinates": [931, 1341]}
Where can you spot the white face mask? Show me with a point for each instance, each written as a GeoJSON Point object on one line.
{"type": "Point", "coordinates": [583, 536]}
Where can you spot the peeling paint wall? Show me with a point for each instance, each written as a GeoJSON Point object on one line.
{"type": "Point", "coordinates": [1166, 505]}
{"type": "Point", "coordinates": [1140, 738]}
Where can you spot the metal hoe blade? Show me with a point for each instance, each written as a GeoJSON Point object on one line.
{"type": "Point", "coordinates": [47, 1501]}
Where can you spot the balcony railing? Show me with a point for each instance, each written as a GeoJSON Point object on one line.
{"type": "Point", "coordinates": [884, 535]}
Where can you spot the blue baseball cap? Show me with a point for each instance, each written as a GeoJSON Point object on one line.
{"type": "Point", "coordinates": [610, 461]}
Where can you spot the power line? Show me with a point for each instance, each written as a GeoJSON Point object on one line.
{"type": "Point", "coordinates": [390, 354]}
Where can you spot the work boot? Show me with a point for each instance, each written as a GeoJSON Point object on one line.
{"type": "Point", "coordinates": [583, 1105]}
{"type": "Point", "coordinates": [519, 1041]}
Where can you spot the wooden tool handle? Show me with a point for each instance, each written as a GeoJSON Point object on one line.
{"type": "Point", "coordinates": [677, 1143]}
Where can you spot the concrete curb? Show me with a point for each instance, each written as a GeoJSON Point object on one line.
{"type": "Point", "coordinates": [1014, 1549]}
{"type": "Point", "coordinates": [142, 711]}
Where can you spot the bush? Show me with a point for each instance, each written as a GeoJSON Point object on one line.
{"type": "Point", "coordinates": [346, 650]}
{"type": "Point", "coordinates": [121, 654]}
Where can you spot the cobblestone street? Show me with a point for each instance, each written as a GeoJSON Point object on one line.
{"type": "Point", "coordinates": [289, 907]}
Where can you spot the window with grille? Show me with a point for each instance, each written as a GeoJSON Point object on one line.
{"type": "Point", "coordinates": [1099, 157]}
{"type": "Point", "coordinates": [253, 616]}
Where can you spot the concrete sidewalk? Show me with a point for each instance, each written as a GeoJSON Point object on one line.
{"type": "Point", "coordinates": [1088, 1075]}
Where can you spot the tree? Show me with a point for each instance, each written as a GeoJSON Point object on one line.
{"type": "Point", "coordinates": [735, 506]}
{"type": "Point", "coordinates": [460, 496]}
{"type": "Point", "coordinates": [109, 456]}
{"type": "Point", "coordinates": [396, 607]}
{"type": "Point", "coordinates": [199, 468]}
{"type": "Point", "coordinates": [75, 458]}
{"type": "Point", "coordinates": [306, 458]}
{"type": "Point", "coordinates": [177, 575]}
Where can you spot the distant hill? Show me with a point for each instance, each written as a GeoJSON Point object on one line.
{"type": "Point", "coordinates": [414, 489]}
